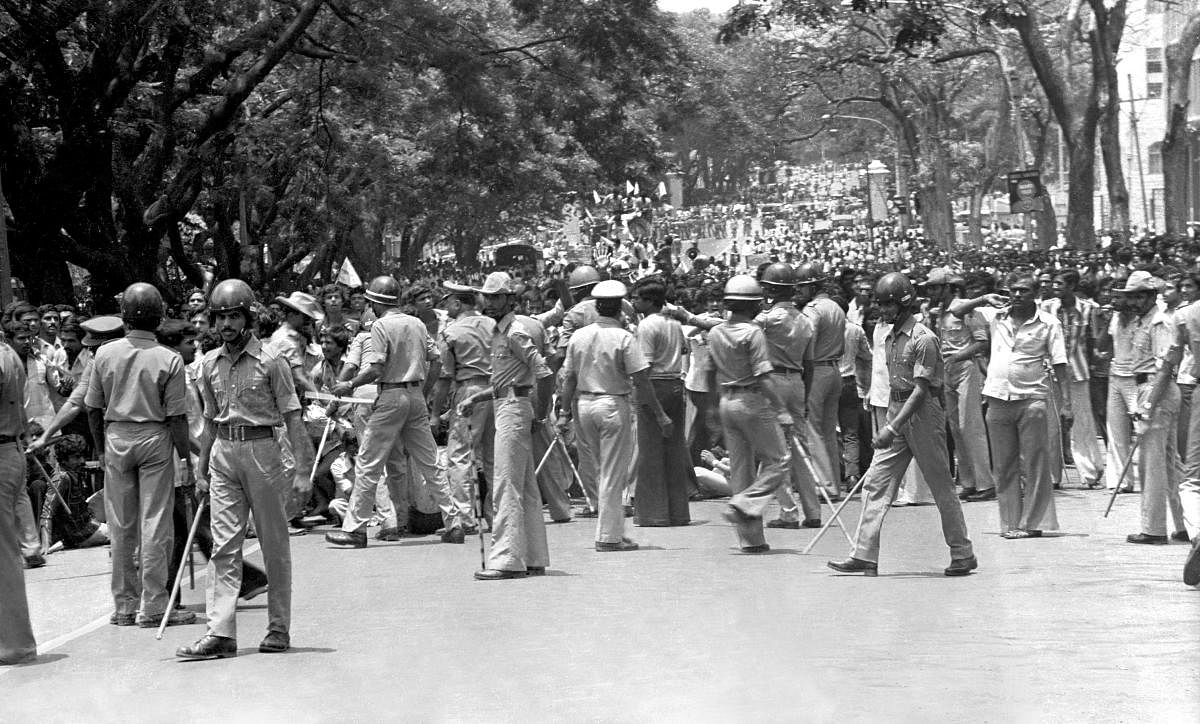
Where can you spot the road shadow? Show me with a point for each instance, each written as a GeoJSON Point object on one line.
{"type": "Point", "coordinates": [38, 661]}
{"type": "Point", "coordinates": [772, 552]}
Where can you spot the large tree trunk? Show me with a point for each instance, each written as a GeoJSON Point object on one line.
{"type": "Point", "coordinates": [1105, 40]}
{"type": "Point", "coordinates": [1081, 228]}
{"type": "Point", "coordinates": [1178, 56]}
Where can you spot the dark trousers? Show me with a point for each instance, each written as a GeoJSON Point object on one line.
{"type": "Point", "coordinates": [664, 471]}
{"type": "Point", "coordinates": [1098, 389]}
{"type": "Point", "coordinates": [252, 576]}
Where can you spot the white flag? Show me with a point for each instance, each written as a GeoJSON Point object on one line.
{"type": "Point", "coordinates": [348, 275]}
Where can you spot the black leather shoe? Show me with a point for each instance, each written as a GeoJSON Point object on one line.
{"type": "Point", "coordinates": [1145, 538]}
{"type": "Point", "coordinates": [341, 538]}
{"type": "Point", "coordinates": [966, 493]}
{"type": "Point", "coordinates": [37, 560]}
{"type": "Point", "coordinates": [535, 570]}
{"type": "Point", "coordinates": [760, 548]}
{"type": "Point", "coordinates": [492, 574]}
{"type": "Point", "coordinates": [176, 617]}
{"type": "Point", "coordinates": [276, 642]}
{"type": "Point", "coordinates": [209, 647]}
{"type": "Point", "coordinates": [811, 523]}
{"type": "Point", "coordinates": [122, 619]}
{"type": "Point", "coordinates": [1191, 569]}
{"type": "Point", "coordinates": [254, 591]}
{"type": "Point", "coordinates": [391, 534]}
{"type": "Point", "coordinates": [1181, 536]}
{"type": "Point", "coordinates": [454, 535]}
{"type": "Point", "coordinates": [961, 566]}
{"type": "Point", "coordinates": [855, 565]}
{"type": "Point", "coordinates": [623, 545]}
{"type": "Point", "coordinates": [979, 497]}
{"type": "Point", "coordinates": [780, 523]}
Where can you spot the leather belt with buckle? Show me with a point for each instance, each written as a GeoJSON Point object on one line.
{"type": "Point", "coordinates": [399, 385]}
{"type": "Point", "coordinates": [245, 432]}
{"type": "Point", "coordinates": [514, 391]}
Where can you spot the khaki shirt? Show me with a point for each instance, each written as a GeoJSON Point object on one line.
{"type": "Point", "coordinates": [738, 351]}
{"type": "Point", "coordinates": [602, 356]}
{"type": "Point", "coordinates": [583, 314]}
{"type": "Point", "coordinates": [912, 352]}
{"type": "Point", "coordinates": [255, 388]}
{"type": "Point", "coordinates": [136, 379]}
{"type": "Point", "coordinates": [662, 343]}
{"type": "Point", "coordinates": [401, 343]}
{"type": "Point", "coordinates": [516, 361]}
{"type": "Point", "coordinates": [12, 393]}
{"type": "Point", "coordinates": [790, 335]}
{"type": "Point", "coordinates": [466, 347]}
{"type": "Point", "coordinates": [1141, 344]}
{"type": "Point", "coordinates": [829, 327]}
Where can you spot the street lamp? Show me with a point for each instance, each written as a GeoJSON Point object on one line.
{"type": "Point", "coordinates": [901, 177]}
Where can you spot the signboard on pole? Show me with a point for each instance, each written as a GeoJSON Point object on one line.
{"type": "Point", "coordinates": [1025, 192]}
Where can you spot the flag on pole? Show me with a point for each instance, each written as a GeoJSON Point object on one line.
{"type": "Point", "coordinates": [348, 276]}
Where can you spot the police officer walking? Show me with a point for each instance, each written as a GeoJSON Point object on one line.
{"type": "Point", "coordinates": [400, 356]}
{"type": "Point", "coordinates": [247, 391]}
{"type": "Point", "coordinates": [911, 428]}
{"type": "Point", "coordinates": [754, 415]}
{"type": "Point", "coordinates": [518, 531]}
{"type": "Point", "coordinates": [137, 408]}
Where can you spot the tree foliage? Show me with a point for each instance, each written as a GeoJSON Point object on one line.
{"type": "Point", "coordinates": [144, 139]}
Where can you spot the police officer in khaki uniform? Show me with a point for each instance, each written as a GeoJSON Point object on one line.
{"type": "Point", "coordinates": [137, 408]}
{"type": "Point", "coordinates": [604, 364]}
{"type": "Point", "coordinates": [518, 532]}
{"type": "Point", "coordinates": [401, 357]}
{"type": "Point", "coordinates": [247, 391]}
{"type": "Point", "coordinates": [466, 351]}
{"type": "Point", "coordinates": [790, 338]}
{"type": "Point", "coordinates": [825, 388]}
{"type": "Point", "coordinates": [911, 428]}
{"type": "Point", "coordinates": [581, 281]}
{"type": "Point", "coordinates": [16, 634]}
{"type": "Point", "coordinates": [754, 416]}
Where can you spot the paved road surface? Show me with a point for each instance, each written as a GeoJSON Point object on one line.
{"type": "Point", "coordinates": [1077, 627]}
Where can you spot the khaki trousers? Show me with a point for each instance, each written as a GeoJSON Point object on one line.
{"type": "Point", "coordinates": [790, 386]}
{"type": "Point", "coordinates": [16, 633]}
{"type": "Point", "coordinates": [823, 401]}
{"type": "Point", "coordinates": [247, 477]}
{"type": "Point", "coordinates": [139, 497]}
{"type": "Point", "coordinates": [398, 421]}
{"type": "Point", "coordinates": [606, 428]}
{"type": "Point", "coordinates": [964, 409]}
{"type": "Point", "coordinates": [921, 438]}
{"type": "Point", "coordinates": [469, 442]}
{"type": "Point", "coordinates": [758, 457]}
{"type": "Point", "coordinates": [1021, 449]}
{"type": "Point", "coordinates": [518, 530]}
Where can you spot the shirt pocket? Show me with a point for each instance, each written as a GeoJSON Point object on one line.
{"type": "Point", "coordinates": [257, 395]}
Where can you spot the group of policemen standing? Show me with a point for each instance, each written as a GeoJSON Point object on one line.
{"type": "Point", "coordinates": [613, 383]}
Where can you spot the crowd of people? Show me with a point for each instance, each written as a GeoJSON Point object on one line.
{"type": "Point", "coordinates": [451, 405]}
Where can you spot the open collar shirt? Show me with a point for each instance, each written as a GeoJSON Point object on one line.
{"type": "Point", "coordinates": [1017, 369]}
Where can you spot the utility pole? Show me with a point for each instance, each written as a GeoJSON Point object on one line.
{"type": "Point", "coordinates": [6, 288]}
{"type": "Point", "coordinates": [1137, 150]}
